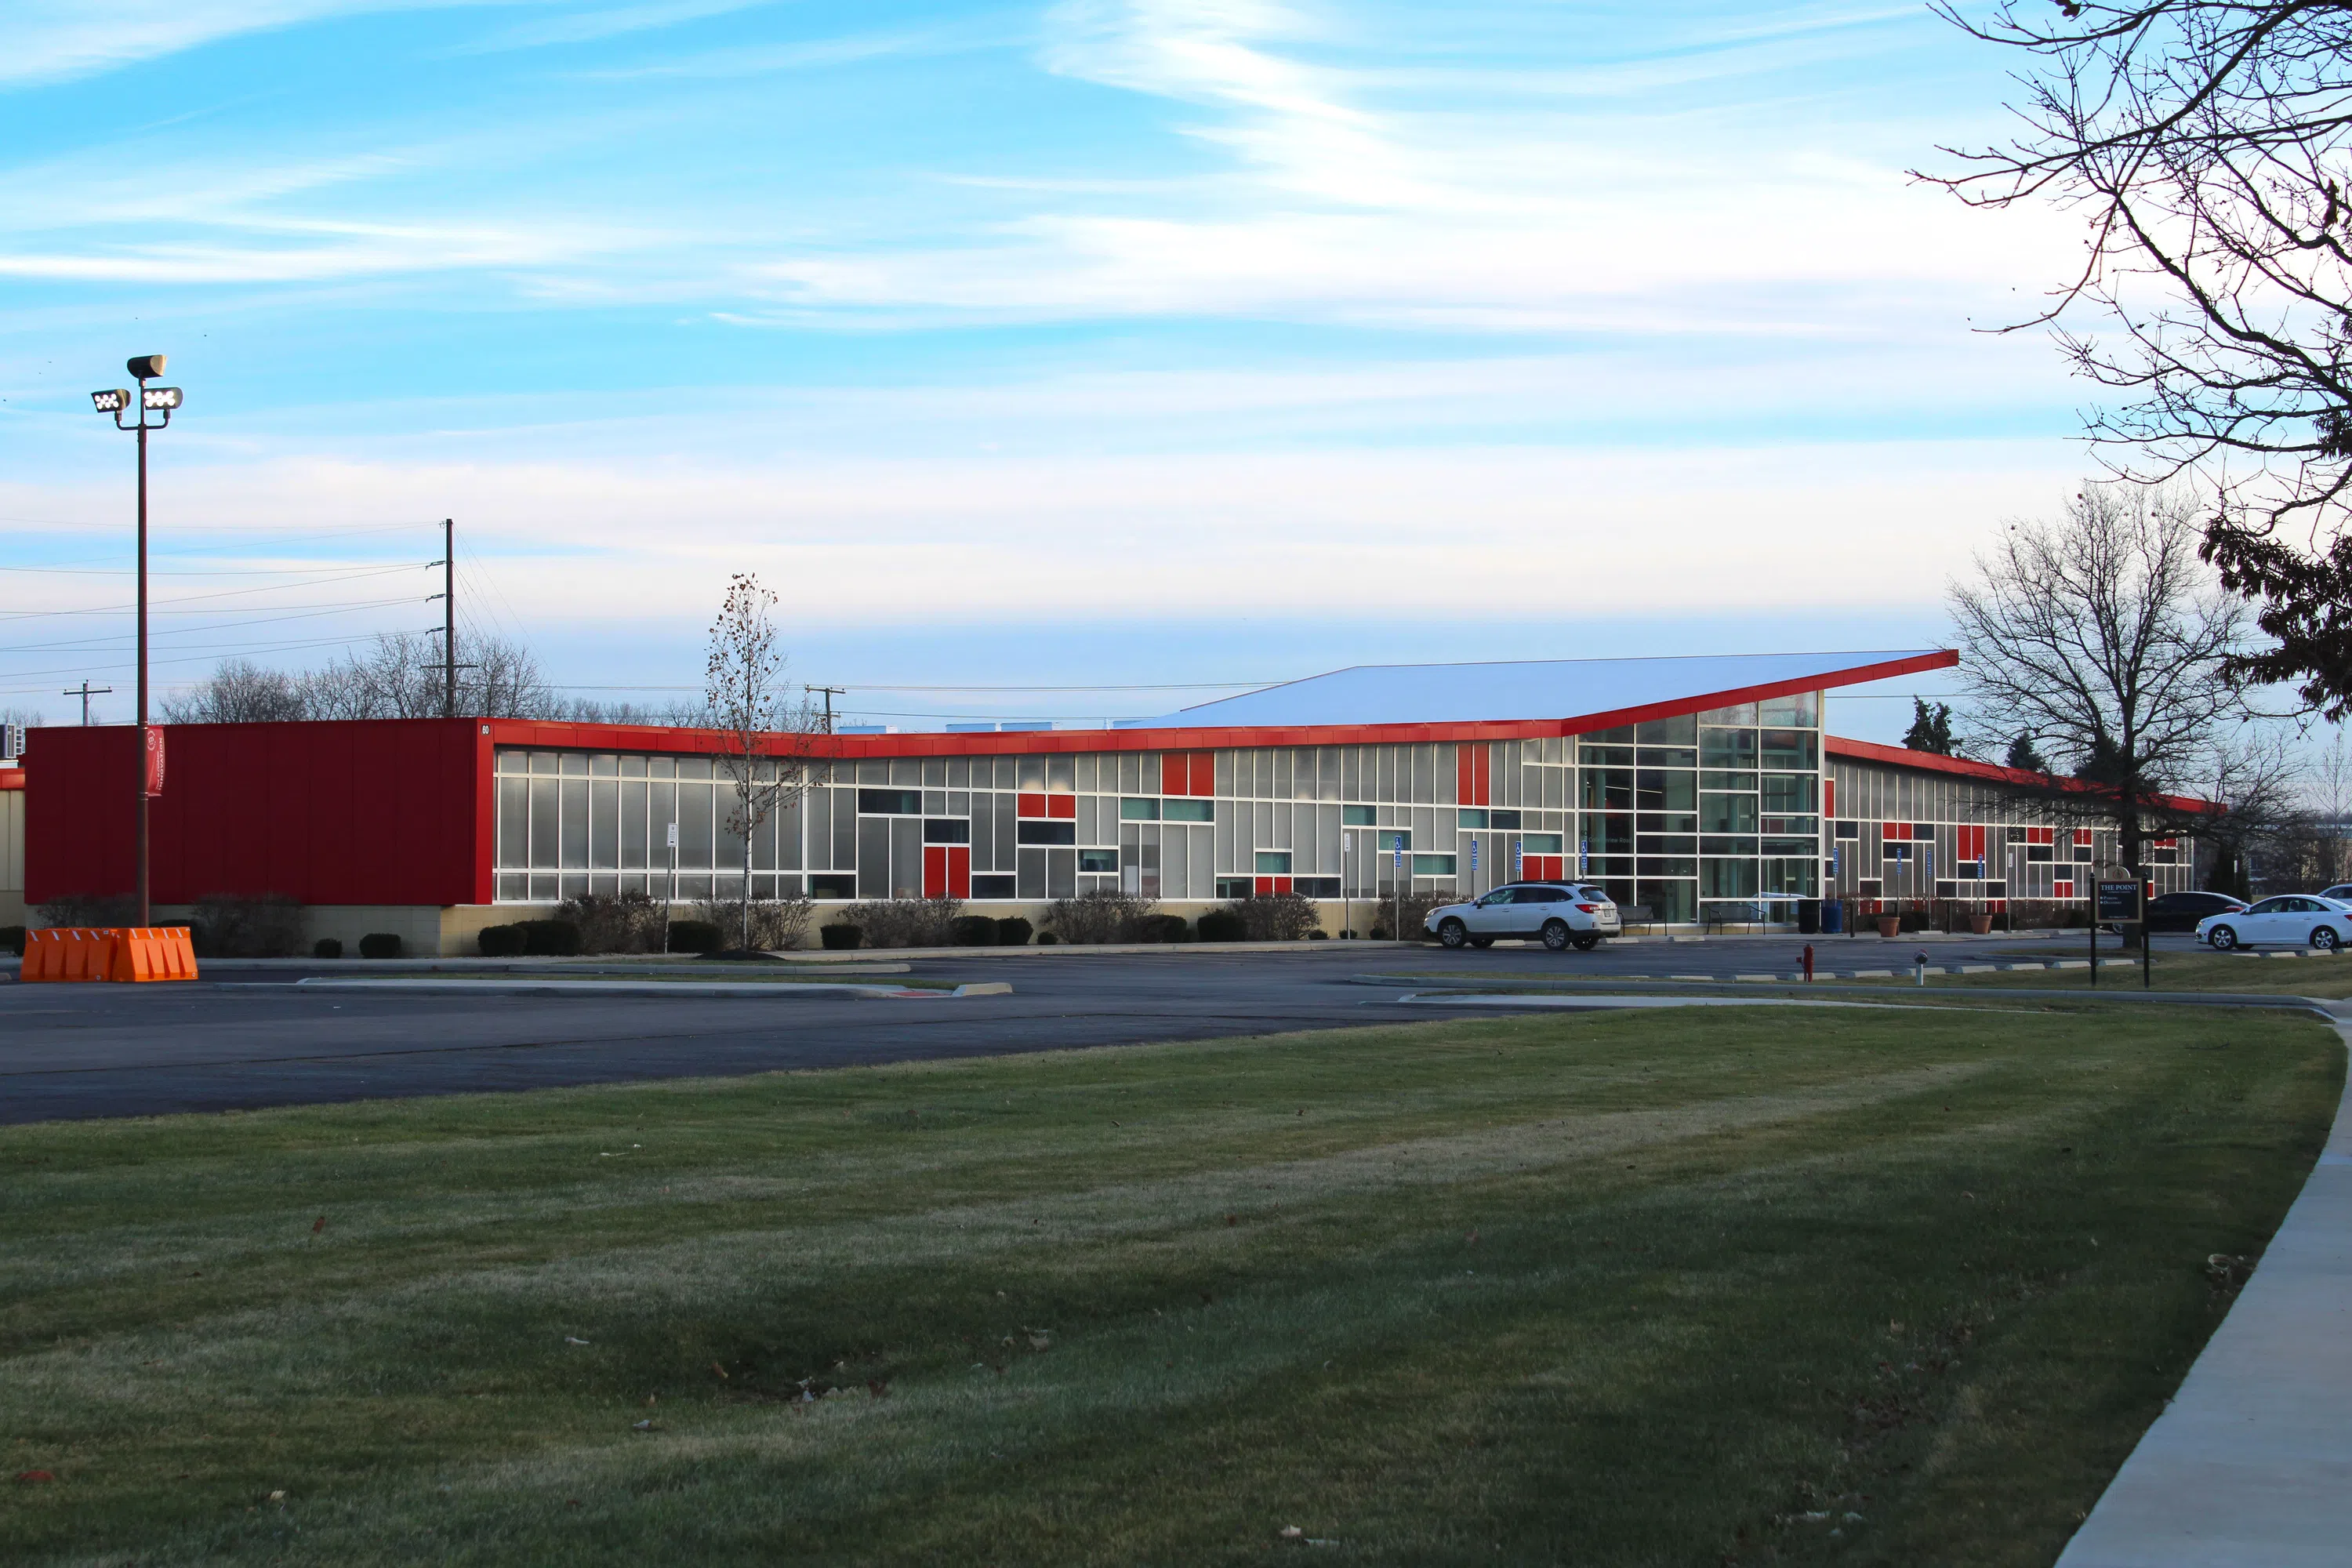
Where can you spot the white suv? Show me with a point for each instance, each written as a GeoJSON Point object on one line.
{"type": "Point", "coordinates": [1558, 914]}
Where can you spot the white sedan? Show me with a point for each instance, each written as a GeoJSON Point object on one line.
{"type": "Point", "coordinates": [2290, 920]}
{"type": "Point", "coordinates": [1560, 915]}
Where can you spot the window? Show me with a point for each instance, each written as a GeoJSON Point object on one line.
{"type": "Point", "coordinates": [1097, 859]}
{"type": "Point", "coordinates": [1048, 833]}
{"type": "Point", "coordinates": [1273, 862]}
{"type": "Point", "coordinates": [2037, 853]}
{"type": "Point", "coordinates": [1422, 865]}
{"type": "Point", "coordinates": [1970, 870]}
{"type": "Point", "coordinates": [1790, 751]}
{"type": "Point", "coordinates": [1506, 819]}
{"type": "Point", "coordinates": [946, 830]}
{"type": "Point", "coordinates": [1470, 817]}
{"type": "Point", "coordinates": [1233, 887]}
{"type": "Point", "coordinates": [1185, 810]}
{"type": "Point", "coordinates": [1948, 890]}
{"type": "Point", "coordinates": [837, 885]}
{"type": "Point", "coordinates": [1316, 886]}
{"type": "Point", "coordinates": [1897, 850]}
{"type": "Point", "coordinates": [1540, 843]}
{"type": "Point", "coordinates": [1849, 830]}
{"type": "Point", "coordinates": [1135, 811]}
{"type": "Point", "coordinates": [1359, 815]}
{"type": "Point", "coordinates": [890, 802]}
{"type": "Point", "coordinates": [991, 886]}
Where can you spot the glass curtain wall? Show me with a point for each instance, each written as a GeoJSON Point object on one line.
{"type": "Point", "coordinates": [1706, 817]}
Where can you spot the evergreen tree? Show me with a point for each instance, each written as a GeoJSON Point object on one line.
{"type": "Point", "coordinates": [1931, 728]}
{"type": "Point", "coordinates": [2022, 755]}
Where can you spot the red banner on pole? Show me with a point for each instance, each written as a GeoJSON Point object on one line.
{"type": "Point", "coordinates": [154, 761]}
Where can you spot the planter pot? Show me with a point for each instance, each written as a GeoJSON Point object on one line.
{"type": "Point", "coordinates": [1890, 926]}
{"type": "Point", "coordinates": [1980, 924]}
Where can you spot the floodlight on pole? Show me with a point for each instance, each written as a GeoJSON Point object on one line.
{"type": "Point", "coordinates": [162, 400]}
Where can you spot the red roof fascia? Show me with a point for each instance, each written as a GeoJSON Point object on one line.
{"type": "Point", "coordinates": [1905, 757]}
{"type": "Point", "coordinates": [565, 735]}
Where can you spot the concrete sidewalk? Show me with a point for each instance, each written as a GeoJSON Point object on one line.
{"type": "Point", "coordinates": [2251, 1462]}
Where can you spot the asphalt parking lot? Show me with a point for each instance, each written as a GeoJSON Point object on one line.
{"type": "Point", "coordinates": [242, 1038]}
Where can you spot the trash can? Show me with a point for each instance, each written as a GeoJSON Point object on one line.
{"type": "Point", "coordinates": [1833, 917]}
{"type": "Point", "coordinates": [1809, 917]}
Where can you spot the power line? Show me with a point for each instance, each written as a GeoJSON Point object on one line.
{"type": "Point", "coordinates": [195, 631]}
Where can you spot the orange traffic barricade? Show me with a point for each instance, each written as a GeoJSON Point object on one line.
{"type": "Point", "coordinates": [117, 953]}
{"type": "Point", "coordinates": [151, 952]}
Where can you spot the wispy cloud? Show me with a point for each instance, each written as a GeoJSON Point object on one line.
{"type": "Point", "coordinates": [49, 40]}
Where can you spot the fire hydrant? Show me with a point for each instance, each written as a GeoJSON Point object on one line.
{"type": "Point", "coordinates": [1809, 964]}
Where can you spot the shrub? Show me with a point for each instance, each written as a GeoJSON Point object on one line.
{"type": "Point", "coordinates": [1275, 917]}
{"type": "Point", "coordinates": [778, 925]}
{"type": "Point", "coordinates": [1046, 938]}
{"type": "Point", "coordinates": [225, 926]}
{"type": "Point", "coordinates": [695, 936]}
{"type": "Point", "coordinates": [1318, 935]}
{"type": "Point", "coordinates": [626, 922]}
{"type": "Point", "coordinates": [1913, 921]}
{"type": "Point", "coordinates": [1162, 928]}
{"type": "Point", "coordinates": [1012, 930]}
{"type": "Point", "coordinates": [380, 944]}
{"type": "Point", "coordinates": [549, 939]}
{"type": "Point", "coordinates": [1104, 914]}
{"type": "Point", "coordinates": [972, 931]}
{"type": "Point", "coordinates": [12, 938]}
{"type": "Point", "coordinates": [499, 941]}
{"type": "Point", "coordinates": [87, 910]}
{"type": "Point", "coordinates": [327, 947]}
{"type": "Point", "coordinates": [839, 937]}
{"type": "Point", "coordinates": [906, 922]}
{"type": "Point", "coordinates": [1223, 925]}
{"type": "Point", "coordinates": [1416, 910]}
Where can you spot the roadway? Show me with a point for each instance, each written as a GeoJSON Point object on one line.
{"type": "Point", "coordinates": [244, 1038]}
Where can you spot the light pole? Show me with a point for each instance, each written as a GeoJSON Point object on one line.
{"type": "Point", "coordinates": [160, 400]}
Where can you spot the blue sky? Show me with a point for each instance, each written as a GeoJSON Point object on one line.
{"type": "Point", "coordinates": [1073, 344]}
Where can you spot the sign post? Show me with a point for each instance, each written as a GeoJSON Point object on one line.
{"type": "Point", "coordinates": [2119, 902]}
{"type": "Point", "coordinates": [1397, 842]}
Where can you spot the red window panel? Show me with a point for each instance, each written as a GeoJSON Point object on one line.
{"type": "Point", "coordinates": [1175, 773]}
{"type": "Point", "coordinates": [2081, 838]}
{"type": "Point", "coordinates": [1483, 757]}
{"type": "Point", "coordinates": [2041, 835]}
{"type": "Point", "coordinates": [1897, 830]}
{"type": "Point", "coordinates": [1546, 867]}
{"type": "Point", "coordinates": [935, 871]}
{"type": "Point", "coordinates": [1031, 805]}
{"type": "Point", "coordinates": [958, 870]}
{"type": "Point", "coordinates": [1465, 775]}
{"type": "Point", "coordinates": [2061, 889]}
{"type": "Point", "coordinates": [2166, 844]}
{"type": "Point", "coordinates": [1062, 805]}
{"type": "Point", "coordinates": [1204, 772]}
{"type": "Point", "coordinates": [1971, 843]}
{"type": "Point", "coordinates": [1829, 797]}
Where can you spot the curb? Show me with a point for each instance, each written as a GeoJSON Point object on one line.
{"type": "Point", "coordinates": [792, 989]}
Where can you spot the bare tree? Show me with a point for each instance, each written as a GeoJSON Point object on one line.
{"type": "Point", "coordinates": [770, 741]}
{"type": "Point", "coordinates": [2257, 781]}
{"type": "Point", "coordinates": [2206, 145]}
{"type": "Point", "coordinates": [398, 676]}
{"type": "Point", "coordinates": [238, 692]}
{"type": "Point", "coordinates": [2106, 639]}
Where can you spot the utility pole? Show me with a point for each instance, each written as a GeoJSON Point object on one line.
{"type": "Point", "coordinates": [86, 692]}
{"type": "Point", "coordinates": [829, 693]}
{"type": "Point", "coordinates": [448, 617]}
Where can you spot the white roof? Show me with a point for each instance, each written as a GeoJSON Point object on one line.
{"type": "Point", "coordinates": [1520, 688]}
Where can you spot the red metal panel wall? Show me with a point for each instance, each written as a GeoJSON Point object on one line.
{"type": "Point", "coordinates": [384, 812]}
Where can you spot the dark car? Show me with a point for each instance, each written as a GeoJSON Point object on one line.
{"type": "Point", "coordinates": [2181, 911]}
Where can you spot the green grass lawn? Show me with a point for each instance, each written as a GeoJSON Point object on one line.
{"type": "Point", "coordinates": [1750, 1286]}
